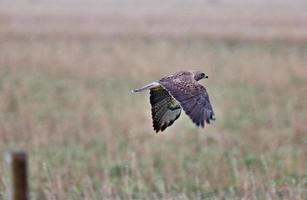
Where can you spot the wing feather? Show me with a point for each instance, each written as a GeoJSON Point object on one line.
{"type": "Point", "coordinates": [165, 109]}
{"type": "Point", "coordinates": [192, 97]}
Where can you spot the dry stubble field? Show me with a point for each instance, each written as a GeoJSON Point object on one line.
{"type": "Point", "coordinates": [65, 98]}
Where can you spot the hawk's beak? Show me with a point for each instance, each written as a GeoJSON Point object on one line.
{"type": "Point", "coordinates": [206, 76]}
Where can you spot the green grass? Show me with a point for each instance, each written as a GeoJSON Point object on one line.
{"type": "Point", "coordinates": [87, 136]}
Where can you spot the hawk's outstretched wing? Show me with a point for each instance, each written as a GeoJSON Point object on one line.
{"type": "Point", "coordinates": [192, 97]}
{"type": "Point", "coordinates": [164, 108]}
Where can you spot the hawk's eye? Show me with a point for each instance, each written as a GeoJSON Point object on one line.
{"type": "Point", "coordinates": [202, 75]}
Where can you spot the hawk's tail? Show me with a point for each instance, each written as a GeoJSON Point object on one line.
{"type": "Point", "coordinates": [147, 87]}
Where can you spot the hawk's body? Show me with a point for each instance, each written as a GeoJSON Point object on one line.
{"type": "Point", "coordinates": [181, 90]}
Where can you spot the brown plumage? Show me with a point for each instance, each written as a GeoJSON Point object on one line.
{"type": "Point", "coordinates": [164, 108]}
{"type": "Point", "coordinates": [181, 90]}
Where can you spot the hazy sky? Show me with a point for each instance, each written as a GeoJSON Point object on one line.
{"type": "Point", "coordinates": [146, 2]}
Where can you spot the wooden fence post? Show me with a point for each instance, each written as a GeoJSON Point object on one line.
{"type": "Point", "coordinates": [16, 162]}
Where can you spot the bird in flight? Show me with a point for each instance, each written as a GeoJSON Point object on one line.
{"type": "Point", "coordinates": [179, 91]}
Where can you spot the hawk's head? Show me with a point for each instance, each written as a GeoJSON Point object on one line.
{"type": "Point", "coordinates": [198, 75]}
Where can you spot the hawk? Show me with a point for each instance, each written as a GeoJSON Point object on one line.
{"type": "Point", "coordinates": [171, 94]}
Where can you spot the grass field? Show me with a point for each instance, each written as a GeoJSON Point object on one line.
{"type": "Point", "coordinates": [65, 99]}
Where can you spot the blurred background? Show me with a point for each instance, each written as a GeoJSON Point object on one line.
{"type": "Point", "coordinates": [67, 68]}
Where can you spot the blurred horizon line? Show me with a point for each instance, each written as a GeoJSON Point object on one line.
{"type": "Point", "coordinates": [214, 20]}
